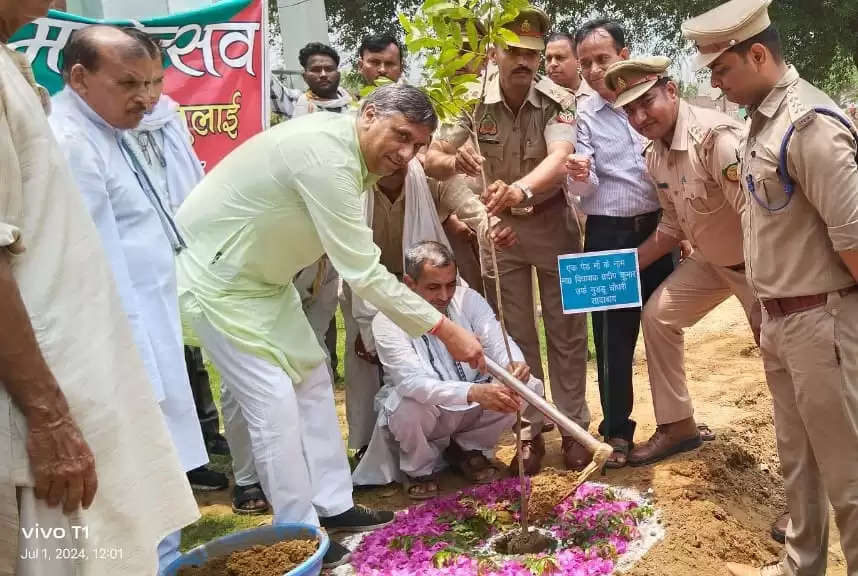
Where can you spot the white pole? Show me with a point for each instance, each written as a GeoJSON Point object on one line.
{"type": "Point", "coordinates": [301, 22]}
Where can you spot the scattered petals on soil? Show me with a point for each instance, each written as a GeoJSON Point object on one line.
{"type": "Point", "coordinates": [451, 535]}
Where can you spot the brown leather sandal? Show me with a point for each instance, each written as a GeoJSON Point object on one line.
{"type": "Point", "coordinates": [421, 487]}
{"type": "Point", "coordinates": [472, 464]}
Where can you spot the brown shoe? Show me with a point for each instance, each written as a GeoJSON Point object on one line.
{"type": "Point", "coordinates": [575, 456]}
{"type": "Point", "coordinates": [779, 528]}
{"type": "Point", "coordinates": [669, 439]}
{"type": "Point", "coordinates": [773, 569]}
{"type": "Point", "coordinates": [532, 451]}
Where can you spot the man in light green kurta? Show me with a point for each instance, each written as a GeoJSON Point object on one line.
{"type": "Point", "coordinates": [272, 207]}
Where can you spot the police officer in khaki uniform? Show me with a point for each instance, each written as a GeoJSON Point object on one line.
{"type": "Point", "coordinates": [800, 221]}
{"type": "Point", "coordinates": [692, 159]}
{"type": "Point", "coordinates": [561, 65]}
{"type": "Point", "coordinates": [526, 129]}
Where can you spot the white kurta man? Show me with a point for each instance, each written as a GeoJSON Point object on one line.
{"type": "Point", "coordinates": [441, 411]}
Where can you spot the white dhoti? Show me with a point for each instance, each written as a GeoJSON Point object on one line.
{"type": "Point", "coordinates": [49, 542]}
{"type": "Point", "coordinates": [424, 431]}
{"type": "Point", "coordinates": [290, 431]}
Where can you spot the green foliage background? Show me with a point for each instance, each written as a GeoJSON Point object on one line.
{"type": "Point", "coordinates": [821, 36]}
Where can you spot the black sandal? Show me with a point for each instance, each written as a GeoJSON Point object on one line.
{"type": "Point", "coordinates": [244, 495]}
{"type": "Point", "coordinates": [620, 456]}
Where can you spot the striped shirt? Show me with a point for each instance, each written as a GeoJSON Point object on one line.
{"type": "Point", "coordinates": [619, 182]}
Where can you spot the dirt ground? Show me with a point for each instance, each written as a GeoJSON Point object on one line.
{"type": "Point", "coordinates": [717, 503]}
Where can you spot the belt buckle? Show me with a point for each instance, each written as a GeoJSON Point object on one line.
{"type": "Point", "coordinates": [518, 211]}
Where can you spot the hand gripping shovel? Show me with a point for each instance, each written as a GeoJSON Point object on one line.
{"type": "Point", "coordinates": [600, 450]}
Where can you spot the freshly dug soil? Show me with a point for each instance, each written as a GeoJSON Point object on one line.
{"type": "Point", "coordinates": [716, 504]}
{"type": "Point", "coordinates": [547, 490]}
{"type": "Point", "coordinates": [519, 542]}
{"type": "Point", "coordinates": [274, 560]}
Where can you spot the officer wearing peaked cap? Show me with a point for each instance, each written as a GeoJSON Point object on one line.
{"type": "Point", "coordinates": [692, 160]}
{"type": "Point", "coordinates": [799, 175]}
{"type": "Point", "coordinates": [526, 128]}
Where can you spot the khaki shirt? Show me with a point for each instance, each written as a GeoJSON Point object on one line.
{"type": "Point", "coordinates": [452, 196]}
{"type": "Point", "coordinates": [793, 251]}
{"type": "Point", "coordinates": [513, 144]}
{"type": "Point", "coordinates": [697, 179]}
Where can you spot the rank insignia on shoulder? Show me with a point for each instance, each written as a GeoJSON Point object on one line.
{"type": "Point", "coordinates": [566, 116]}
{"type": "Point", "coordinates": [731, 172]}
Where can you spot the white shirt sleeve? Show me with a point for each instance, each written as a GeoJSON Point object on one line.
{"type": "Point", "coordinates": [409, 373]}
{"type": "Point", "coordinates": [584, 147]}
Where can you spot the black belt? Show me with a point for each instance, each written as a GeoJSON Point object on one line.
{"type": "Point", "coordinates": [636, 223]}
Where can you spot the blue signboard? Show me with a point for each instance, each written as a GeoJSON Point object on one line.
{"type": "Point", "coordinates": [593, 281]}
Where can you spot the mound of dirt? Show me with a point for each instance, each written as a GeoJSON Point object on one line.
{"type": "Point", "coordinates": [520, 542]}
{"type": "Point", "coordinates": [719, 502]}
{"type": "Point", "coordinates": [716, 503]}
{"type": "Point", "coordinates": [547, 490]}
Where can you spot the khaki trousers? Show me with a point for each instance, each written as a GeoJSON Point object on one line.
{"type": "Point", "coordinates": [693, 290]}
{"type": "Point", "coordinates": [811, 362]}
{"type": "Point", "coordinates": [541, 238]}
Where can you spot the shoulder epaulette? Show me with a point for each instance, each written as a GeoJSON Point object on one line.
{"type": "Point", "coordinates": [800, 114]}
{"type": "Point", "coordinates": [555, 92]}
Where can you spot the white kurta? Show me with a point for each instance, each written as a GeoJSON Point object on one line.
{"type": "Point", "coordinates": [141, 257]}
{"type": "Point", "coordinates": [68, 290]}
{"type": "Point", "coordinates": [421, 370]}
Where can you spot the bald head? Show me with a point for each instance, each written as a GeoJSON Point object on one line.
{"type": "Point", "coordinates": [114, 70]}
{"type": "Point", "coordinates": [86, 45]}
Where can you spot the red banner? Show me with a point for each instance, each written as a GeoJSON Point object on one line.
{"type": "Point", "coordinates": [219, 78]}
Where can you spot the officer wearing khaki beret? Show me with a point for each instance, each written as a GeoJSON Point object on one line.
{"type": "Point", "coordinates": [692, 159]}
{"type": "Point", "coordinates": [526, 129]}
{"type": "Point", "coordinates": [799, 175]}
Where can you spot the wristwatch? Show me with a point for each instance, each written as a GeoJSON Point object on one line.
{"type": "Point", "coordinates": [528, 193]}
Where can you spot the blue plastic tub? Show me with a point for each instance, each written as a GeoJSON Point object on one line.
{"type": "Point", "coordinates": [264, 536]}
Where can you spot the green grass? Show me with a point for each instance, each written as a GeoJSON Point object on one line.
{"type": "Point", "coordinates": [212, 526]}
{"type": "Point", "coordinates": [591, 347]}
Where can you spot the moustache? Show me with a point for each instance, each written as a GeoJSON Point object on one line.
{"type": "Point", "coordinates": [522, 69]}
